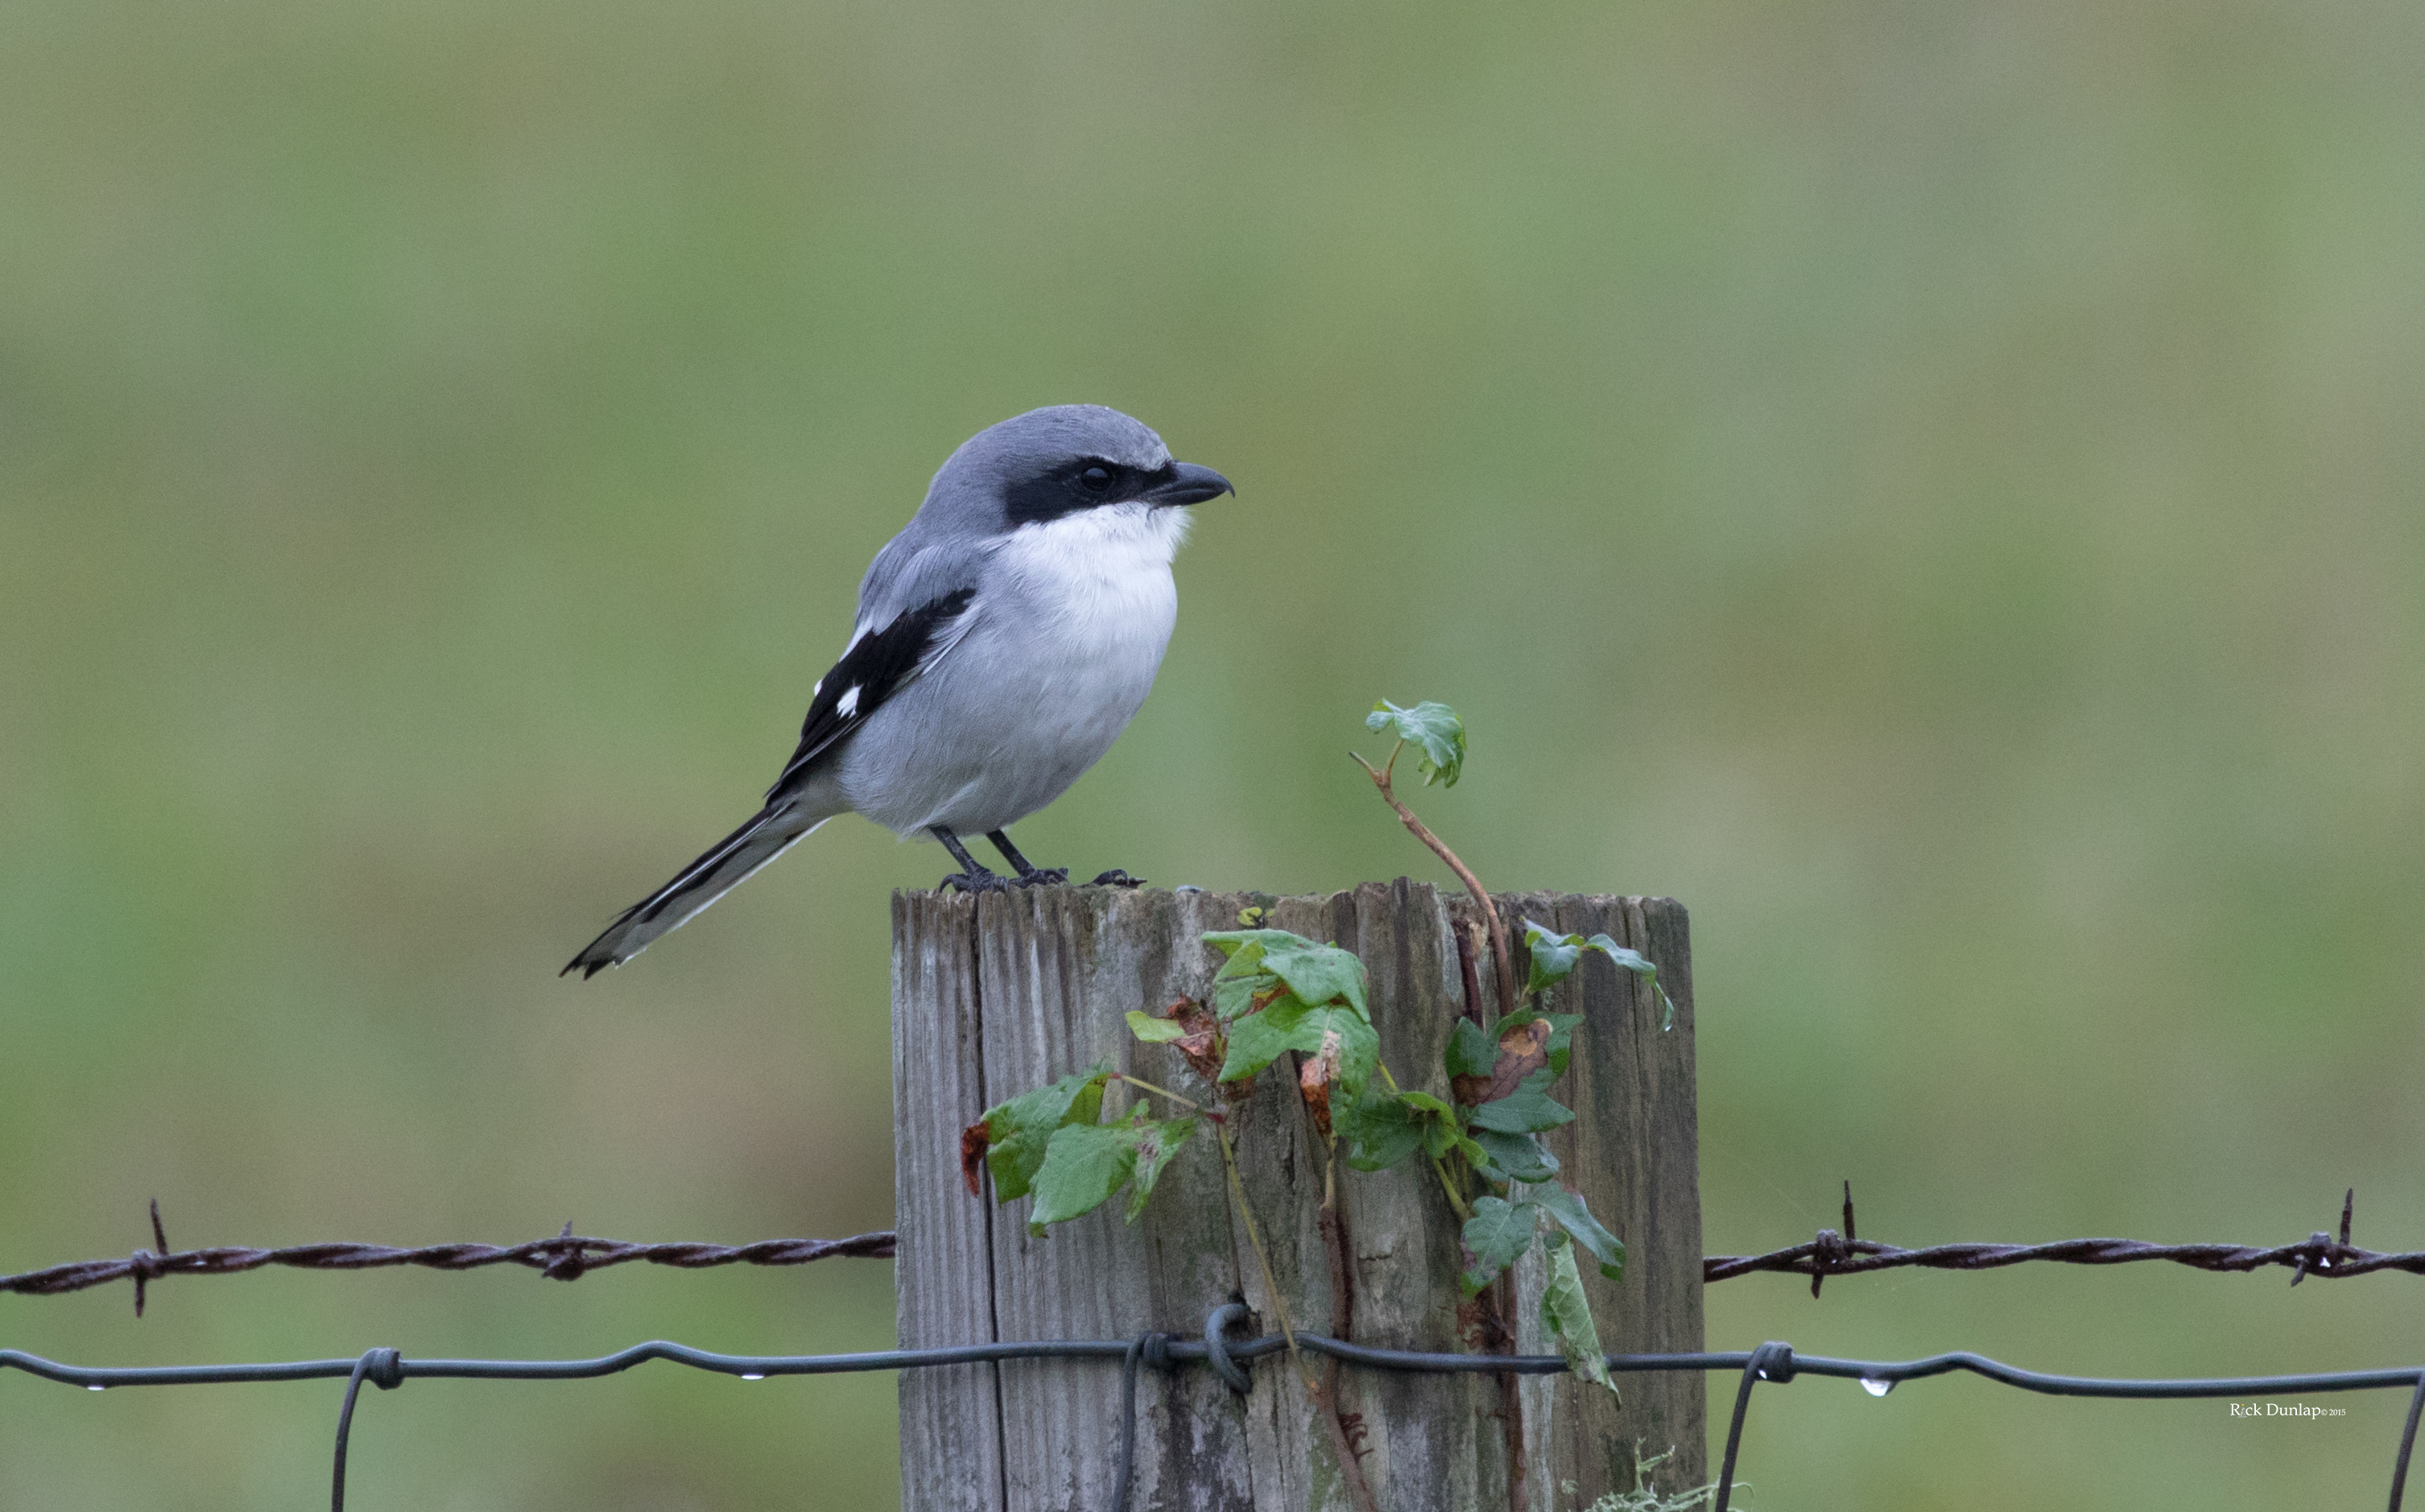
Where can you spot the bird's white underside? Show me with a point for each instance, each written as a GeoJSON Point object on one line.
{"type": "Point", "coordinates": [1077, 612]}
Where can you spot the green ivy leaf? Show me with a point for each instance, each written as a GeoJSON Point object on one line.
{"type": "Point", "coordinates": [1018, 1131]}
{"type": "Point", "coordinates": [1256, 1039]}
{"type": "Point", "coordinates": [1555, 957]}
{"type": "Point", "coordinates": [1432, 728]}
{"type": "Point", "coordinates": [1575, 1216]}
{"type": "Point", "coordinates": [1425, 1102]}
{"type": "Point", "coordinates": [1472, 1052]}
{"type": "Point", "coordinates": [1258, 959]}
{"type": "Point", "coordinates": [1567, 1313]}
{"type": "Point", "coordinates": [1561, 1046]}
{"type": "Point", "coordinates": [1085, 1163]}
{"type": "Point", "coordinates": [1515, 1157]}
{"type": "Point", "coordinates": [1155, 1146]}
{"type": "Point", "coordinates": [1381, 1130]}
{"type": "Point", "coordinates": [1251, 942]}
{"type": "Point", "coordinates": [1440, 1136]}
{"type": "Point", "coordinates": [1494, 1236]}
{"type": "Point", "coordinates": [1318, 973]}
{"type": "Point", "coordinates": [1234, 996]}
{"type": "Point", "coordinates": [1529, 1109]}
{"type": "Point", "coordinates": [1155, 1031]}
{"type": "Point", "coordinates": [1241, 976]}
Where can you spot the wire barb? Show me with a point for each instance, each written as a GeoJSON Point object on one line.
{"type": "Point", "coordinates": [568, 1265]}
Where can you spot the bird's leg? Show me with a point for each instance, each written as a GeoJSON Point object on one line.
{"type": "Point", "coordinates": [1029, 875]}
{"type": "Point", "coordinates": [971, 878]}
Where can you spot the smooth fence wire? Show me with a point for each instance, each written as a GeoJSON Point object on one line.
{"type": "Point", "coordinates": [1773, 1363]}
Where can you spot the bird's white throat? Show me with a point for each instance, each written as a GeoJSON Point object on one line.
{"type": "Point", "coordinates": [1100, 575]}
{"type": "Point", "coordinates": [1111, 540]}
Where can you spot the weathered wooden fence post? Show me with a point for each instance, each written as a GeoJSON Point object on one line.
{"type": "Point", "coordinates": [995, 995]}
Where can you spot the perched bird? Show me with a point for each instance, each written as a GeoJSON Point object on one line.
{"type": "Point", "coordinates": [1004, 640]}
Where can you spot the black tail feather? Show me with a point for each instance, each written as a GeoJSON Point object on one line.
{"type": "Point", "coordinates": [724, 866]}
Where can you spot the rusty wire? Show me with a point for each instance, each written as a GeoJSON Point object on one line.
{"type": "Point", "coordinates": [1842, 1254]}
{"type": "Point", "coordinates": [566, 1257]}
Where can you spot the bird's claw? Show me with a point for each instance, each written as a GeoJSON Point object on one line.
{"type": "Point", "coordinates": [1043, 877]}
{"type": "Point", "coordinates": [977, 881]}
{"type": "Point", "coordinates": [1116, 878]}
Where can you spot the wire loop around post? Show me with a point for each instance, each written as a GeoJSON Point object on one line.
{"type": "Point", "coordinates": [1152, 1349]}
{"type": "Point", "coordinates": [384, 1369]}
{"type": "Point", "coordinates": [1216, 1349]}
{"type": "Point", "coordinates": [1771, 1361]}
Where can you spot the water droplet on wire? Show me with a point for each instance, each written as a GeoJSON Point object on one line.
{"type": "Point", "coordinates": [1875, 1387]}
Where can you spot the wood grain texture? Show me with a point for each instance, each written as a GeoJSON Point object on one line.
{"type": "Point", "coordinates": [1633, 1151]}
{"type": "Point", "coordinates": [998, 994]}
{"type": "Point", "coordinates": [951, 1417]}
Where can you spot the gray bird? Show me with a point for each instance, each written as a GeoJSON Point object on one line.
{"type": "Point", "coordinates": [1004, 640]}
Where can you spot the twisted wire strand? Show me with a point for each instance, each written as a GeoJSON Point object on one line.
{"type": "Point", "coordinates": [568, 1257]}
{"type": "Point", "coordinates": [1828, 1255]}
{"type": "Point", "coordinates": [563, 1257]}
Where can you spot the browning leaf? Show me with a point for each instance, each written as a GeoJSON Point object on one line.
{"type": "Point", "coordinates": [974, 1140]}
{"type": "Point", "coordinates": [1200, 1038]}
{"type": "Point", "coordinates": [1315, 1077]}
{"type": "Point", "coordinates": [1522, 1050]}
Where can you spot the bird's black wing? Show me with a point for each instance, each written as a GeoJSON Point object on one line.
{"type": "Point", "coordinates": [872, 670]}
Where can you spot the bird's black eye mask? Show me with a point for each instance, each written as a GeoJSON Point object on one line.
{"type": "Point", "coordinates": [1081, 483]}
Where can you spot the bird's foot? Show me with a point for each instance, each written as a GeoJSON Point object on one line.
{"type": "Point", "coordinates": [1116, 878]}
{"type": "Point", "coordinates": [1042, 877]}
{"type": "Point", "coordinates": [976, 879]}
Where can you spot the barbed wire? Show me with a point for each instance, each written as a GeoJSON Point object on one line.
{"type": "Point", "coordinates": [1842, 1254]}
{"type": "Point", "coordinates": [567, 1257]}
{"type": "Point", "coordinates": [1775, 1362]}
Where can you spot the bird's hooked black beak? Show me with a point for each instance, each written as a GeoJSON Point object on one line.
{"type": "Point", "coordinates": [1186, 483]}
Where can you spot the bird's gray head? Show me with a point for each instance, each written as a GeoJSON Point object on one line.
{"type": "Point", "coordinates": [1049, 463]}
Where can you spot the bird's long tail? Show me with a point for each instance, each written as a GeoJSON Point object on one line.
{"type": "Point", "coordinates": [775, 829]}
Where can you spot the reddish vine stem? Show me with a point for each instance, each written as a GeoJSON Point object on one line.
{"type": "Point", "coordinates": [1493, 1311]}
{"type": "Point", "coordinates": [1499, 954]}
{"type": "Point", "coordinates": [1342, 1324]}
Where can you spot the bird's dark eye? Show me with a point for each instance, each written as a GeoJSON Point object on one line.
{"type": "Point", "coordinates": [1096, 479]}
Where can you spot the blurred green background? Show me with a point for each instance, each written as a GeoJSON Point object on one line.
{"type": "Point", "coordinates": [1934, 486]}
